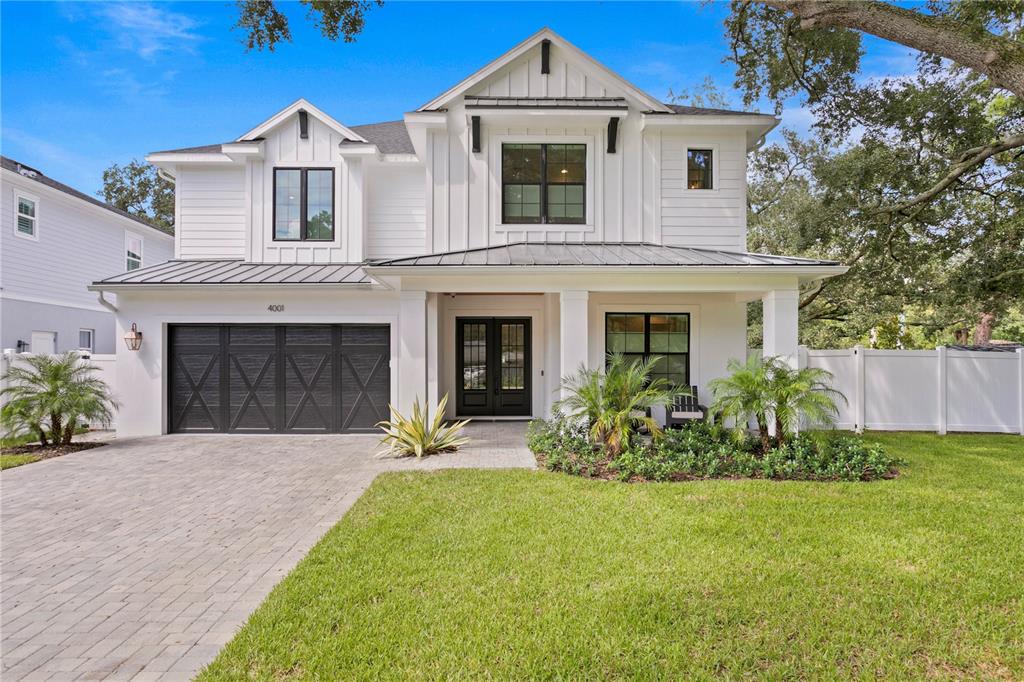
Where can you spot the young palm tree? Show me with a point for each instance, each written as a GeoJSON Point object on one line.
{"type": "Point", "coordinates": [797, 392]}
{"type": "Point", "coordinates": [745, 395]}
{"type": "Point", "coordinates": [615, 400]}
{"type": "Point", "coordinates": [53, 395]}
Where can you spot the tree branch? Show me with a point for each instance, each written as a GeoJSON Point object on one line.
{"type": "Point", "coordinates": [999, 58]}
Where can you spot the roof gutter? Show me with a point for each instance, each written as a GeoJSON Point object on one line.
{"type": "Point", "coordinates": [476, 270]}
{"type": "Point", "coordinates": [205, 286]}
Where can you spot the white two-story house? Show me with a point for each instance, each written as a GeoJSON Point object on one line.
{"type": "Point", "coordinates": [54, 242]}
{"type": "Point", "coordinates": [531, 219]}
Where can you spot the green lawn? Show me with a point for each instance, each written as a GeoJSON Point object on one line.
{"type": "Point", "coordinates": [11, 461]}
{"type": "Point", "coordinates": [517, 575]}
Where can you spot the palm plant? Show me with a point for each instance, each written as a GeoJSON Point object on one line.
{"type": "Point", "coordinates": [770, 390]}
{"type": "Point", "coordinates": [616, 400]}
{"type": "Point", "coordinates": [52, 395]}
{"type": "Point", "coordinates": [806, 391]}
{"type": "Point", "coordinates": [420, 435]}
{"type": "Point", "coordinates": [745, 395]}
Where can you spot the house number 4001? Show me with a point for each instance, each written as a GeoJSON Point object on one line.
{"type": "Point", "coordinates": [275, 308]}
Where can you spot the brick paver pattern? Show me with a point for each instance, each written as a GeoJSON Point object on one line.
{"type": "Point", "coordinates": [142, 558]}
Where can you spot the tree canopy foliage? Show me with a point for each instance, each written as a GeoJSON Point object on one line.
{"type": "Point", "coordinates": [915, 180]}
{"type": "Point", "coordinates": [137, 188]}
{"type": "Point", "coordinates": [264, 25]}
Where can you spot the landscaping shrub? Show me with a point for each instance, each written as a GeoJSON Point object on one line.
{"type": "Point", "coordinates": [704, 450]}
{"type": "Point", "coordinates": [420, 434]}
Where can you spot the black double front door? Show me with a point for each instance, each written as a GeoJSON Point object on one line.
{"type": "Point", "coordinates": [278, 378]}
{"type": "Point", "coordinates": [493, 366]}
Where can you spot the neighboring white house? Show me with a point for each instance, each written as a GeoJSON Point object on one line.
{"type": "Point", "coordinates": [54, 242]}
{"type": "Point", "coordinates": [532, 218]}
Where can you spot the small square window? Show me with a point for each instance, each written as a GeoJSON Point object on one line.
{"type": "Point", "coordinates": [699, 169]}
{"type": "Point", "coordinates": [85, 340]}
{"type": "Point", "coordinates": [27, 216]}
{"type": "Point", "coordinates": [132, 252]}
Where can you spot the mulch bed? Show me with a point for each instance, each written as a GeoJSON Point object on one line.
{"type": "Point", "coordinates": [48, 451]}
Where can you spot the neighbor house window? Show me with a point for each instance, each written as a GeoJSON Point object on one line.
{"type": "Point", "coordinates": [698, 168]}
{"type": "Point", "coordinates": [132, 252]}
{"type": "Point", "coordinates": [304, 204]}
{"type": "Point", "coordinates": [85, 341]}
{"type": "Point", "coordinates": [640, 336]}
{"type": "Point", "coordinates": [27, 217]}
{"type": "Point", "coordinates": [543, 183]}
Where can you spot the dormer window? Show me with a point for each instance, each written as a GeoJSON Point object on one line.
{"type": "Point", "coordinates": [543, 183]}
{"type": "Point", "coordinates": [698, 169]}
{"type": "Point", "coordinates": [304, 204]}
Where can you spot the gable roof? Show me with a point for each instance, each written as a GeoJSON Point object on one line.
{"type": "Point", "coordinates": [35, 175]}
{"type": "Point", "coordinates": [704, 111]}
{"type": "Point", "coordinates": [293, 108]}
{"type": "Point", "coordinates": [391, 137]}
{"type": "Point", "coordinates": [522, 48]}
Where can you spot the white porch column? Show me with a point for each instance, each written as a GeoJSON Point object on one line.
{"type": "Point", "coordinates": [574, 335]}
{"type": "Point", "coordinates": [780, 324]}
{"type": "Point", "coordinates": [412, 349]}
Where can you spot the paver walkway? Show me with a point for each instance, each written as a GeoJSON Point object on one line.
{"type": "Point", "coordinates": [141, 559]}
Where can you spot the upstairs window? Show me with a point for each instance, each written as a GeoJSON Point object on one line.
{"type": "Point", "coordinates": [132, 252]}
{"type": "Point", "coordinates": [27, 219]}
{"type": "Point", "coordinates": [85, 339]}
{"type": "Point", "coordinates": [543, 183]}
{"type": "Point", "coordinates": [698, 169]}
{"type": "Point", "coordinates": [304, 204]}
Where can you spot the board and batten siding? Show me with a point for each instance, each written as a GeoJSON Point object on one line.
{"type": "Point", "coordinates": [77, 243]}
{"type": "Point", "coordinates": [395, 211]}
{"type": "Point", "coordinates": [212, 205]}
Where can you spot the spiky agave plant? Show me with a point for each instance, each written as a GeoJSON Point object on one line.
{"type": "Point", "coordinates": [420, 435]}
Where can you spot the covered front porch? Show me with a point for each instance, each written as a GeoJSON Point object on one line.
{"type": "Point", "coordinates": [497, 329]}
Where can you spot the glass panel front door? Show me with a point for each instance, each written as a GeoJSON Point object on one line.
{"type": "Point", "coordinates": [493, 368]}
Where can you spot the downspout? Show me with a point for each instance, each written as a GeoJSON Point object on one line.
{"type": "Point", "coordinates": [760, 143]}
{"type": "Point", "coordinates": [165, 175]}
{"type": "Point", "coordinates": [105, 303]}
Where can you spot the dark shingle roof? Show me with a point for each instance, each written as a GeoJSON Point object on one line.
{"type": "Point", "coordinates": [37, 176]}
{"type": "Point", "coordinates": [391, 137]}
{"type": "Point", "coordinates": [240, 272]}
{"type": "Point", "coordinates": [599, 253]}
{"type": "Point", "coordinates": [201, 149]}
{"type": "Point", "coordinates": [704, 111]}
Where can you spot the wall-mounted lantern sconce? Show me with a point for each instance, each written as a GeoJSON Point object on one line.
{"type": "Point", "coordinates": [133, 338]}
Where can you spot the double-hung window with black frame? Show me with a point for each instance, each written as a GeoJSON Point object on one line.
{"type": "Point", "coordinates": [304, 204]}
{"type": "Point", "coordinates": [543, 183]}
{"type": "Point", "coordinates": [641, 336]}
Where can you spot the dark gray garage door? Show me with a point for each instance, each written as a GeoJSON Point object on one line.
{"type": "Point", "coordinates": [278, 378]}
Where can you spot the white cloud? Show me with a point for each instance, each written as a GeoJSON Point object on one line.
{"type": "Point", "coordinates": [148, 30]}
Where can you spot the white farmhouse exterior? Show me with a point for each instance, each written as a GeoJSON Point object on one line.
{"type": "Point", "coordinates": [54, 242]}
{"type": "Point", "coordinates": [536, 216]}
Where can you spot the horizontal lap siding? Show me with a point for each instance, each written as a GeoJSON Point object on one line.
{"type": "Point", "coordinates": [211, 212]}
{"type": "Point", "coordinates": [711, 219]}
{"type": "Point", "coordinates": [395, 212]}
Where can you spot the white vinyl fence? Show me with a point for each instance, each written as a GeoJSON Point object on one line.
{"type": "Point", "coordinates": [925, 390]}
{"type": "Point", "coordinates": [105, 364]}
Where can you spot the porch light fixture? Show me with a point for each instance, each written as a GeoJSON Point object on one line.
{"type": "Point", "coordinates": [133, 338]}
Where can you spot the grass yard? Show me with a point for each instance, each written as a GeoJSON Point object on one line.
{"type": "Point", "coordinates": [516, 575]}
{"type": "Point", "coordinates": [11, 461]}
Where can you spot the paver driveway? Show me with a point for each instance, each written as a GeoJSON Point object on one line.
{"type": "Point", "coordinates": [142, 558]}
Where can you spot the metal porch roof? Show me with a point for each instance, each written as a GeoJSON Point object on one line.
{"type": "Point", "coordinates": [240, 272]}
{"type": "Point", "coordinates": [640, 254]}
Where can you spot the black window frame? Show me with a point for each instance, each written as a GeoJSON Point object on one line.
{"type": "Point", "coordinates": [303, 218]}
{"type": "Point", "coordinates": [707, 173]}
{"type": "Point", "coordinates": [647, 354]}
{"type": "Point", "coordinates": [543, 218]}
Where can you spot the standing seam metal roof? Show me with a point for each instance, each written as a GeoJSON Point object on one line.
{"type": "Point", "coordinates": [239, 272]}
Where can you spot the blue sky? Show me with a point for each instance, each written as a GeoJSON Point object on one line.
{"type": "Point", "coordinates": [88, 84]}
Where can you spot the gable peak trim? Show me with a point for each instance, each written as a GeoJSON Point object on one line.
{"type": "Point", "coordinates": [298, 105]}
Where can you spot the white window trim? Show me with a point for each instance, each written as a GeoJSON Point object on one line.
{"type": "Point", "coordinates": [18, 194]}
{"type": "Point", "coordinates": [92, 339]}
{"type": "Point", "coordinates": [716, 162]}
{"type": "Point", "coordinates": [128, 236]}
{"type": "Point", "coordinates": [495, 142]}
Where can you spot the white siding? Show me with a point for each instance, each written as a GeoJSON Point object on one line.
{"type": "Point", "coordinates": [211, 205]}
{"type": "Point", "coordinates": [715, 218]}
{"type": "Point", "coordinates": [395, 211]}
{"type": "Point", "coordinates": [78, 243]}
